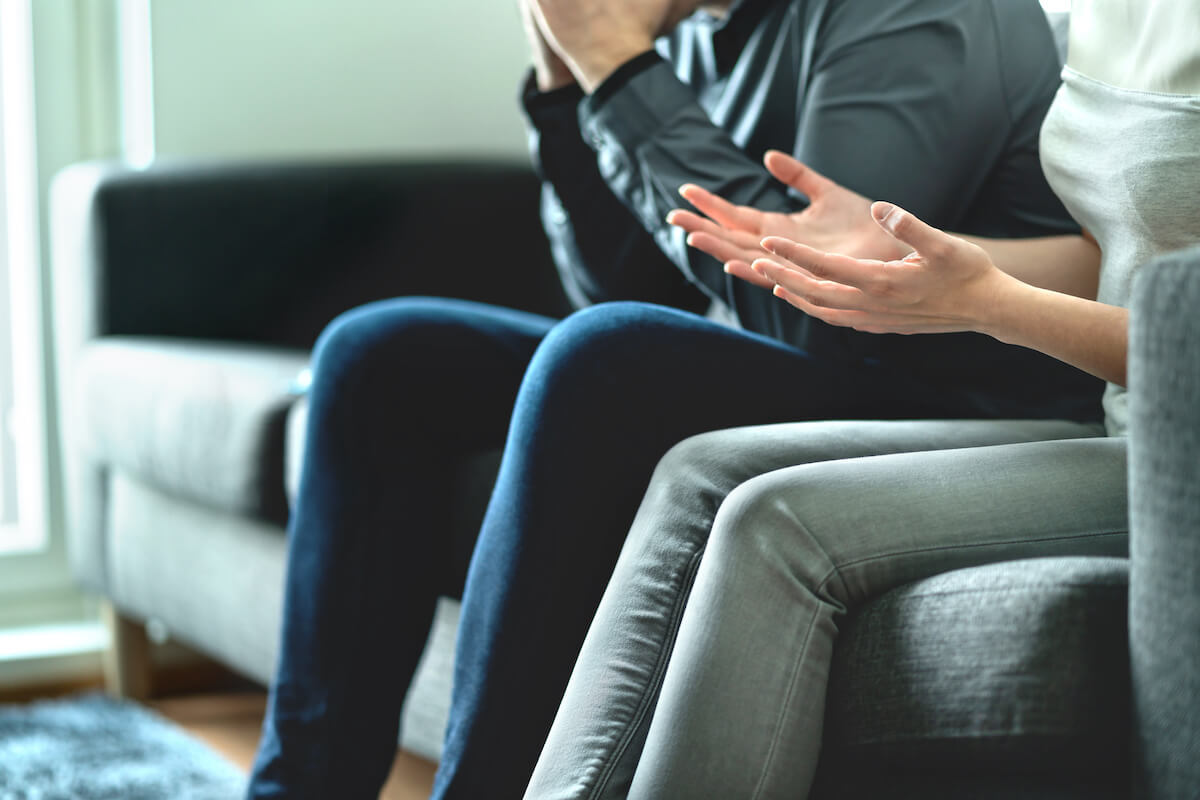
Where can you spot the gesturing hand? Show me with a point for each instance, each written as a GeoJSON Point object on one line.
{"type": "Point", "coordinates": [836, 220]}
{"type": "Point", "coordinates": [944, 284]}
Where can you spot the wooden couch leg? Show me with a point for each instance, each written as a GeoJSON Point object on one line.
{"type": "Point", "coordinates": [127, 671]}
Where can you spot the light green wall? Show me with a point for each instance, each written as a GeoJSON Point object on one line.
{"type": "Point", "coordinates": [320, 77]}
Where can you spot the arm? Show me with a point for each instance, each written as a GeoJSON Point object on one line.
{"type": "Point", "coordinates": [948, 284]}
{"type": "Point", "coordinates": [601, 252]}
{"type": "Point", "coordinates": [612, 43]}
{"type": "Point", "coordinates": [1067, 264]}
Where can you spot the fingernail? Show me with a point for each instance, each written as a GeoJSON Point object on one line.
{"type": "Point", "coordinates": [691, 240]}
{"type": "Point", "coordinates": [885, 213]}
{"type": "Point", "coordinates": [768, 244]}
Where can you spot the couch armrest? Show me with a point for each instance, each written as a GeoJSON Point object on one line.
{"type": "Point", "coordinates": [1164, 580]}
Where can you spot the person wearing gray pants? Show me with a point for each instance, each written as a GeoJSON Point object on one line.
{"type": "Point", "coordinates": [705, 669]}
{"type": "Point", "coordinates": [845, 511]}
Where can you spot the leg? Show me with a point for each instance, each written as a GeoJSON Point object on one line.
{"type": "Point", "coordinates": [401, 389]}
{"type": "Point", "coordinates": [608, 392]}
{"type": "Point", "coordinates": [127, 669]}
{"type": "Point", "coordinates": [742, 701]}
{"type": "Point", "coordinates": [597, 737]}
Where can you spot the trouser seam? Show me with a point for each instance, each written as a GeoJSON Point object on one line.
{"type": "Point", "coordinates": [783, 709]}
{"type": "Point", "coordinates": [655, 682]}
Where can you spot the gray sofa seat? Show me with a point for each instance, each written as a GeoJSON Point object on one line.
{"type": "Point", "coordinates": [201, 420]}
{"type": "Point", "coordinates": [1017, 672]}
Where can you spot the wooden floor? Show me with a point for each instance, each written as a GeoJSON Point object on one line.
{"type": "Point", "coordinates": [230, 721]}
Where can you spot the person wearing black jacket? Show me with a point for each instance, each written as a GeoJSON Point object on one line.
{"type": "Point", "coordinates": [630, 100]}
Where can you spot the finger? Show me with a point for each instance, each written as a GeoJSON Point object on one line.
{"type": "Point", "coordinates": [908, 230]}
{"type": "Point", "coordinates": [856, 272]}
{"type": "Point", "coordinates": [718, 242]}
{"type": "Point", "coordinates": [823, 293]}
{"type": "Point", "coordinates": [796, 174]}
{"type": "Point", "coordinates": [692, 222]}
{"type": "Point", "coordinates": [731, 216]}
{"type": "Point", "coordinates": [721, 248]}
{"type": "Point", "coordinates": [743, 270]}
{"type": "Point", "coordinates": [865, 321]}
{"type": "Point", "coordinates": [839, 317]}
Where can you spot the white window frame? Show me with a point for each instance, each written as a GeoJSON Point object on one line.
{"type": "Point", "coordinates": [35, 582]}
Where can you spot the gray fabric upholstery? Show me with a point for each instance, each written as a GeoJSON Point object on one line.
{"type": "Point", "coordinates": [1020, 665]}
{"type": "Point", "coordinates": [199, 419]}
{"type": "Point", "coordinates": [1164, 609]}
{"type": "Point", "coordinates": [213, 578]}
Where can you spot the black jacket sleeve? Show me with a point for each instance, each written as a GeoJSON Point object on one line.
{"type": "Point", "coordinates": [602, 251]}
{"type": "Point", "coordinates": [651, 135]}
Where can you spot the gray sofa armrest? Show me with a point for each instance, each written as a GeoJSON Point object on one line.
{"type": "Point", "coordinates": [1164, 580]}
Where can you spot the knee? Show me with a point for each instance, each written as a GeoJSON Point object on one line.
{"type": "Point", "coordinates": [689, 460]}
{"type": "Point", "coordinates": [762, 534]}
{"type": "Point", "coordinates": [376, 336]}
{"type": "Point", "coordinates": [602, 349]}
{"type": "Point", "coordinates": [699, 466]}
{"type": "Point", "coordinates": [596, 331]}
{"type": "Point", "coordinates": [686, 486]}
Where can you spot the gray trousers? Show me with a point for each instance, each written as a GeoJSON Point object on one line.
{"type": "Point", "coordinates": [704, 671]}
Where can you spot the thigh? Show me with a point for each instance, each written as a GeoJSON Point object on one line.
{"type": "Point", "coordinates": [411, 368]}
{"type": "Point", "coordinates": [713, 463]}
{"type": "Point", "coordinates": [793, 550]}
{"type": "Point", "coordinates": [850, 529]}
{"type": "Point", "coordinates": [623, 658]}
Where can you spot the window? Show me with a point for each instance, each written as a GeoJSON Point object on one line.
{"type": "Point", "coordinates": [35, 586]}
{"type": "Point", "coordinates": [22, 451]}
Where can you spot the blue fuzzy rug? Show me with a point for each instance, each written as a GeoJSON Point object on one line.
{"type": "Point", "coordinates": [92, 747]}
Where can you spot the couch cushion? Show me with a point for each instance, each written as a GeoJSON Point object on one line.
{"type": "Point", "coordinates": [201, 420]}
{"type": "Point", "coordinates": [1017, 668]}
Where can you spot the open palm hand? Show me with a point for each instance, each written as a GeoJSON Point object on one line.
{"type": "Point", "coordinates": [837, 220]}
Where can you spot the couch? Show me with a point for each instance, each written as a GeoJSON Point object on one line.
{"type": "Point", "coordinates": [187, 298]}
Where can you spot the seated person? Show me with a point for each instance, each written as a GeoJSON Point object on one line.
{"type": "Point", "coordinates": [756, 540]}
{"type": "Point", "coordinates": [905, 102]}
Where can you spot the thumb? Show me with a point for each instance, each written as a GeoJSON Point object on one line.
{"type": "Point", "coordinates": [907, 229]}
{"type": "Point", "coordinates": [796, 174]}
